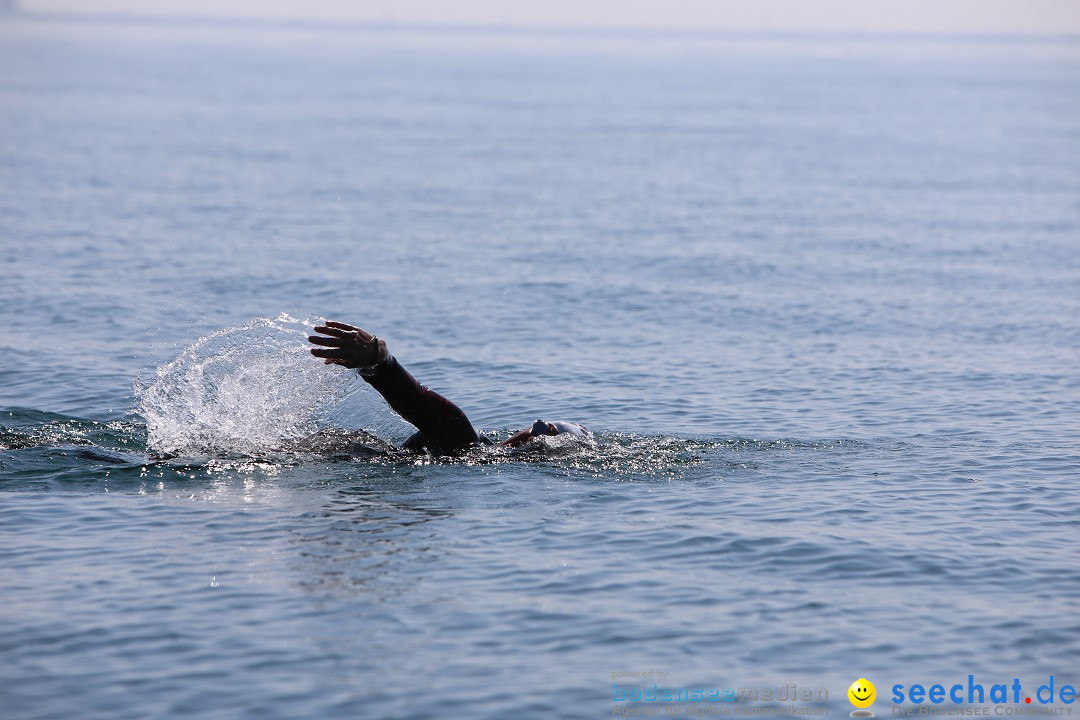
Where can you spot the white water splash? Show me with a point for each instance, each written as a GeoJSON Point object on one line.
{"type": "Point", "coordinates": [244, 390]}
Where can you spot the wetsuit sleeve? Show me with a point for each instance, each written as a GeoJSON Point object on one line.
{"type": "Point", "coordinates": [443, 424]}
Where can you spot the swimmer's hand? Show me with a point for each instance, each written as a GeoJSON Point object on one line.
{"type": "Point", "coordinates": [348, 346]}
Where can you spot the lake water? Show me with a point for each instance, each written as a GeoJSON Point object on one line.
{"type": "Point", "coordinates": [818, 298]}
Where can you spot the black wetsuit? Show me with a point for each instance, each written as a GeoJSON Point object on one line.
{"type": "Point", "coordinates": [443, 427]}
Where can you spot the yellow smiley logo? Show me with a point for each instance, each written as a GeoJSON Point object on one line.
{"type": "Point", "coordinates": [862, 693]}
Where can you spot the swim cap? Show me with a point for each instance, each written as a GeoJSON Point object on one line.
{"type": "Point", "coordinates": [558, 427]}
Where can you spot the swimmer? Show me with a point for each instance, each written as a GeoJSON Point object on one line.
{"type": "Point", "coordinates": [442, 427]}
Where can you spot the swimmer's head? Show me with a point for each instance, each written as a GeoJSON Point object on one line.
{"type": "Point", "coordinates": [541, 428]}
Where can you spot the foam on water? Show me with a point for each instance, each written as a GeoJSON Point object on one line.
{"type": "Point", "coordinates": [241, 390]}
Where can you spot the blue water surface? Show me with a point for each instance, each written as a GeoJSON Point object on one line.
{"type": "Point", "coordinates": [818, 298]}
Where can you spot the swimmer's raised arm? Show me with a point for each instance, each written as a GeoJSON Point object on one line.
{"type": "Point", "coordinates": [347, 345]}
{"type": "Point", "coordinates": [443, 426]}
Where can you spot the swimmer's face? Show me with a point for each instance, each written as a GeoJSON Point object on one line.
{"type": "Point", "coordinates": [538, 428]}
{"type": "Point", "coordinates": [541, 428]}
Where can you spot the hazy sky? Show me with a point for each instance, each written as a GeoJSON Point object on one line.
{"type": "Point", "coordinates": [963, 16]}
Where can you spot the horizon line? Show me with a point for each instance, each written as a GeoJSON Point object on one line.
{"type": "Point", "coordinates": [466, 28]}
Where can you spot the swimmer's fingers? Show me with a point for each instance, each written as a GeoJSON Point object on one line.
{"type": "Point", "coordinates": [326, 330]}
{"type": "Point", "coordinates": [336, 355]}
{"type": "Point", "coordinates": [332, 326]}
{"type": "Point", "coordinates": [341, 330]}
{"type": "Point", "coordinates": [333, 342]}
{"type": "Point", "coordinates": [347, 345]}
{"type": "Point", "coordinates": [348, 357]}
{"type": "Point", "coordinates": [342, 326]}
